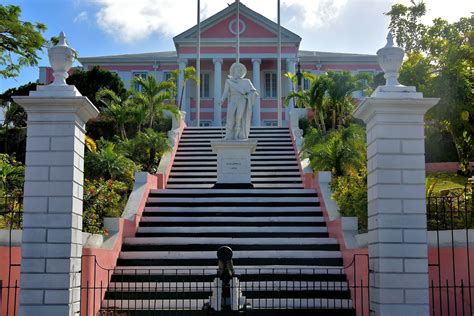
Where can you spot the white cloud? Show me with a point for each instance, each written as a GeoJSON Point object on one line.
{"type": "Point", "coordinates": [130, 21]}
{"type": "Point", "coordinates": [82, 16]}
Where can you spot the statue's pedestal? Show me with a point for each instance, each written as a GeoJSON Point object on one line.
{"type": "Point", "coordinates": [233, 163]}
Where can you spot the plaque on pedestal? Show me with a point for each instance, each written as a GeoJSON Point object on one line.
{"type": "Point", "coordinates": [234, 163]}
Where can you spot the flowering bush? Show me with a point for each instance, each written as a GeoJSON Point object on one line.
{"type": "Point", "coordinates": [102, 198]}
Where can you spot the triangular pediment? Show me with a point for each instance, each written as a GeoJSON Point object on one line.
{"type": "Point", "coordinates": [222, 26]}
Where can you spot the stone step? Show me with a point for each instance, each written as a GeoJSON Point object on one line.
{"type": "Point", "coordinates": [184, 174]}
{"type": "Point", "coordinates": [234, 229]}
{"type": "Point", "coordinates": [228, 241]}
{"type": "Point", "coordinates": [255, 180]}
{"type": "Point", "coordinates": [257, 154]}
{"type": "Point", "coordinates": [213, 168]}
{"type": "Point", "coordinates": [268, 159]}
{"type": "Point", "coordinates": [234, 209]}
{"type": "Point", "coordinates": [267, 254]}
{"type": "Point", "coordinates": [282, 186]}
{"type": "Point", "coordinates": [196, 247]}
{"type": "Point", "coordinates": [243, 200]}
{"type": "Point", "coordinates": [255, 163]}
{"type": "Point", "coordinates": [208, 149]}
{"type": "Point", "coordinates": [225, 192]}
{"type": "Point", "coordinates": [310, 220]}
{"type": "Point", "coordinates": [246, 272]}
{"type": "Point", "coordinates": [207, 144]}
{"type": "Point", "coordinates": [285, 136]}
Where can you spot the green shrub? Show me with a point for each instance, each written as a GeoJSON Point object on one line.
{"type": "Point", "coordinates": [109, 163]}
{"type": "Point", "coordinates": [12, 174]}
{"type": "Point", "coordinates": [350, 193]}
{"type": "Point", "coordinates": [102, 198]}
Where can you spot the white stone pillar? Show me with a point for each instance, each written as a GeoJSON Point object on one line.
{"type": "Point", "coordinates": [182, 63]}
{"type": "Point", "coordinates": [52, 206]}
{"type": "Point", "coordinates": [256, 120]}
{"type": "Point", "coordinates": [217, 91]}
{"type": "Point", "coordinates": [290, 67]}
{"type": "Point", "coordinates": [398, 248]}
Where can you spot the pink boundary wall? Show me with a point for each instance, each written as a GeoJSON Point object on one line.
{"type": "Point", "coordinates": [97, 263]}
{"type": "Point", "coordinates": [14, 278]}
{"type": "Point", "coordinates": [445, 166]}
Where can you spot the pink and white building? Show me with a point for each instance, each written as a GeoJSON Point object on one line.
{"type": "Point", "coordinates": [258, 52]}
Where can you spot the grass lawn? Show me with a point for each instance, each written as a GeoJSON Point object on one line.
{"type": "Point", "coordinates": [445, 181]}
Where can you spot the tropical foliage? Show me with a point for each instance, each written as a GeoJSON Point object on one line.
{"type": "Point", "coordinates": [155, 97]}
{"type": "Point", "coordinates": [341, 151]}
{"type": "Point", "coordinates": [129, 135]}
{"type": "Point", "coordinates": [440, 59]}
{"type": "Point", "coordinates": [12, 175]}
{"type": "Point", "coordinates": [330, 97]}
{"type": "Point", "coordinates": [350, 194]}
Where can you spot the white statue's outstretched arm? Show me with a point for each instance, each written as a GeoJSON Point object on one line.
{"type": "Point", "coordinates": [225, 94]}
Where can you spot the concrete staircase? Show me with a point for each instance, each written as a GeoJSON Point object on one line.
{"type": "Point", "coordinates": [283, 255]}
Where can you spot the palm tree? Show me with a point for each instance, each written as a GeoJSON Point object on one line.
{"type": "Point", "coordinates": [339, 89]}
{"type": "Point", "coordinates": [139, 114]}
{"type": "Point", "coordinates": [341, 151]}
{"type": "Point", "coordinates": [115, 108]}
{"type": "Point", "coordinates": [157, 144]}
{"type": "Point", "coordinates": [189, 73]}
{"type": "Point", "coordinates": [312, 98]}
{"type": "Point", "coordinates": [153, 96]}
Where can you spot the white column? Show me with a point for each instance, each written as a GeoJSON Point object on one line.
{"type": "Point", "coordinates": [398, 247]}
{"type": "Point", "coordinates": [290, 67]}
{"type": "Point", "coordinates": [217, 91]}
{"type": "Point", "coordinates": [182, 62]}
{"type": "Point", "coordinates": [256, 120]}
{"type": "Point", "coordinates": [53, 192]}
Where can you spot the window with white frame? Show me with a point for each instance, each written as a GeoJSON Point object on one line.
{"type": "Point", "coordinates": [142, 75]}
{"type": "Point", "coordinates": [270, 85]}
{"type": "Point", "coordinates": [205, 85]}
{"type": "Point", "coordinates": [270, 123]}
{"type": "Point", "coordinates": [205, 123]}
{"type": "Point", "coordinates": [306, 84]}
{"type": "Point", "coordinates": [167, 75]}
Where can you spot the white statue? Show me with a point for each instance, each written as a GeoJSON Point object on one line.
{"type": "Point", "coordinates": [241, 95]}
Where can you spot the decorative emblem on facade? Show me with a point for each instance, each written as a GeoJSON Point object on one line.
{"type": "Point", "coordinates": [233, 28]}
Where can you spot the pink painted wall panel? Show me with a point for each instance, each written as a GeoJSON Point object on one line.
{"type": "Point", "coordinates": [328, 67]}
{"type": "Point", "coordinates": [206, 103]}
{"type": "Point", "coordinates": [253, 30]}
{"type": "Point", "coordinates": [243, 50]}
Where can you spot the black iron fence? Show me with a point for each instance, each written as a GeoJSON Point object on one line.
{"type": "Point", "coordinates": [250, 290]}
{"type": "Point", "coordinates": [450, 223]}
{"type": "Point", "coordinates": [10, 219]}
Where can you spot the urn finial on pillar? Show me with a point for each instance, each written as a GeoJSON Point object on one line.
{"type": "Point", "coordinates": [61, 57]}
{"type": "Point", "coordinates": [390, 59]}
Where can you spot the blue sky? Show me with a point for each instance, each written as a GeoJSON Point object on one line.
{"type": "Point", "coordinates": [107, 27]}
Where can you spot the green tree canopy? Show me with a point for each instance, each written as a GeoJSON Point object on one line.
{"type": "Point", "coordinates": [440, 63]}
{"type": "Point", "coordinates": [91, 81]}
{"type": "Point", "coordinates": [20, 41]}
